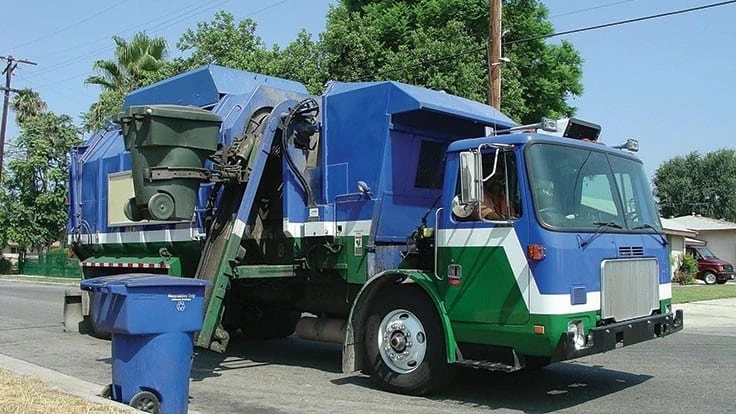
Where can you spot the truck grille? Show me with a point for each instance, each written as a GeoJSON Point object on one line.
{"type": "Point", "coordinates": [728, 268]}
{"type": "Point", "coordinates": [629, 288]}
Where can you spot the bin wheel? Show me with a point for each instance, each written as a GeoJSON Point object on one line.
{"type": "Point", "coordinates": [106, 392]}
{"type": "Point", "coordinates": [147, 402]}
{"type": "Point", "coordinates": [161, 206]}
{"type": "Point", "coordinates": [131, 210]}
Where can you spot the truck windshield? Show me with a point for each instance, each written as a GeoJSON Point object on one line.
{"type": "Point", "coordinates": [579, 189]}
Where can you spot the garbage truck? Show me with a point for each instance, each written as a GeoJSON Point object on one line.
{"type": "Point", "coordinates": [354, 217]}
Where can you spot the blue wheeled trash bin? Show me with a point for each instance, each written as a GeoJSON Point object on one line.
{"type": "Point", "coordinates": [153, 319]}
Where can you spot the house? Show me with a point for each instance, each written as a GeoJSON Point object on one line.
{"type": "Point", "coordinates": [10, 252]}
{"type": "Point", "coordinates": [718, 235]}
{"type": "Point", "coordinates": [678, 237]}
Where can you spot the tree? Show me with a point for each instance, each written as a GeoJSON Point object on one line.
{"type": "Point", "coordinates": [26, 104]}
{"type": "Point", "coordinates": [442, 44]}
{"type": "Point", "coordinates": [33, 195]}
{"type": "Point", "coordinates": [696, 183]}
{"type": "Point", "coordinates": [222, 42]}
{"type": "Point", "coordinates": [136, 64]}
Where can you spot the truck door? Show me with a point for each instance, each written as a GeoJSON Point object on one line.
{"type": "Point", "coordinates": [480, 257]}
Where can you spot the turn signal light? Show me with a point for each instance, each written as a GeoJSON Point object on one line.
{"type": "Point", "coordinates": [535, 251]}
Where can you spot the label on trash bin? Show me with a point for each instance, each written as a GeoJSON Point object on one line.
{"type": "Point", "coordinates": [185, 297]}
{"type": "Point", "coordinates": [181, 300]}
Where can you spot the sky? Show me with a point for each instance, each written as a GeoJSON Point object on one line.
{"type": "Point", "coordinates": [667, 82]}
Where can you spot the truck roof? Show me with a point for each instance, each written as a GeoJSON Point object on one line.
{"type": "Point", "coordinates": [205, 86]}
{"type": "Point", "coordinates": [524, 138]}
{"type": "Point", "coordinates": [407, 98]}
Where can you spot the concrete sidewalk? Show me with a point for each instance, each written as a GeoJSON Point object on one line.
{"type": "Point", "coordinates": [713, 314]}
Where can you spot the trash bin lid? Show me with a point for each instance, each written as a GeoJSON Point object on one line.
{"type": "Point", "coordinates": [120, 283]}
{"type": "Point", "coordinates": [171, 111]}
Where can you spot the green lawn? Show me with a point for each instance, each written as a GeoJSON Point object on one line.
{"type": "Point", "coordinates": [695, 293]}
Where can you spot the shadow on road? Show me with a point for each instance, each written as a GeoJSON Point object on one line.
{"type": "Point", "coordinates": [242, 354]}
{"type": "Point", "coordinates": [558, 386]}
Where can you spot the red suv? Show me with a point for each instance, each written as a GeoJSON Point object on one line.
{"type": "Point", "coordinates": [711, 269]}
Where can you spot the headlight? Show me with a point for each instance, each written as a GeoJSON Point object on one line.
{"type": "Point", "coordinates": [576, 330]}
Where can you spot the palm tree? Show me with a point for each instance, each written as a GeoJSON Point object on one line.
{"type": "Point", "coordinates": [26, 104]}
{"type": "Point", "coordinates": [134, 63]}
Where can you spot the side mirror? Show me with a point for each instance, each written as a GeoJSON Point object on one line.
{"type": "Point", "coordinates": [468, 177]}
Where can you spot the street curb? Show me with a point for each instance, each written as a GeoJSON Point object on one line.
{"type": "Point", "coordinates": [66, 383]}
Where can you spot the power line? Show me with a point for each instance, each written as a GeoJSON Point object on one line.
{"type": "Point", "coordinates": [71, 26]}
{"type": "Point", "coordinates": [567, 32]}
{"type": "Point", "coordinates": [622, 22]}
{"type": "Point", "coordinates": [590, 8]}
{"type": "Point", "coordinates": [278, 3]}
{"type": "Point", "coordinates": [192, 10]}
{"type": "Point", "coordinates": [178, 18]}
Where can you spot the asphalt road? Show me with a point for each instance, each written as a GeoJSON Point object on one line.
{"type": "Point", "coordinates": [690, 372]}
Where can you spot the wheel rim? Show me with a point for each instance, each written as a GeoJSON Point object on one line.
{"type": "Point", "coordinates": [710, 278]}
{"type": "Point", "coordinates": [402, 342]}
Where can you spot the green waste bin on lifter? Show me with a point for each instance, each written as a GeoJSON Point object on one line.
{"type": "Point", "coordinates": [168, 145]}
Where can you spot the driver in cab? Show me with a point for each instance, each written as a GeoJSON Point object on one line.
{"type": "Point", "coordinates": [494, 205]}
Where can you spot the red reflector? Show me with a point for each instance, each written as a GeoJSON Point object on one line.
{"type": "Point", "coordinates": [535, 251]}
{"type": "Point", "coordinates": [454, 281]}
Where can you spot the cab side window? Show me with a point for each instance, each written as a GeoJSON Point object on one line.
{"type": "Point", "coordinates": [500, 199]}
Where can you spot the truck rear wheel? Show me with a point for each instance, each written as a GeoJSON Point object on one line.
{"type": "Point", "coordinates": [404, 342]}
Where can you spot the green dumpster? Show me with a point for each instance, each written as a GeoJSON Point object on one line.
{"type": "Point", "coordinates": [168, 145]}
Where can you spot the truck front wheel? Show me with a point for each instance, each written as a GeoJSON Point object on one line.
{"type": "Point", "coordinates": [404, 342]}
{"type": "Point", "coordinates": [709, 278]}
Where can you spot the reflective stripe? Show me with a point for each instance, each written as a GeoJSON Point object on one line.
{"type": "Point", "coordinates": [127, 265]}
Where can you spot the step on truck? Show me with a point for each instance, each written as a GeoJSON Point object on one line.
{"type": "Point", "coordinates": [359, 217]}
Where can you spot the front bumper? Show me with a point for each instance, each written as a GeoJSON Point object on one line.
{"type": "Point", "coordinates": [724, 276]}
{"type": "Point", "coordinates": [609, 337]}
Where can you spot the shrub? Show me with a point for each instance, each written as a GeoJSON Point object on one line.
{"type": "Point", "coordinates": [689, 265]}
{"type": "Point", "coordinates": [683, 278]}
{"type": "Point", "coordinates": [685, 274]}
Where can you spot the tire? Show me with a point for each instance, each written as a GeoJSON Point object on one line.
{"type": "Point", "coordinates": [722, 281]}
{"type": "Point", "coordinates": [402, 320]}
{"type": "Point", "coordinates": [709, 278]}
{"type": "Point", "coordinates": [147, 402]}
{"type": "Point", "coordinates": [106, 392]}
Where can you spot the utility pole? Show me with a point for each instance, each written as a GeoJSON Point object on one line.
{"type": "Point", "coordinates": [8, 72]}
{"type": "Point", "coordinates": [494, 53]}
